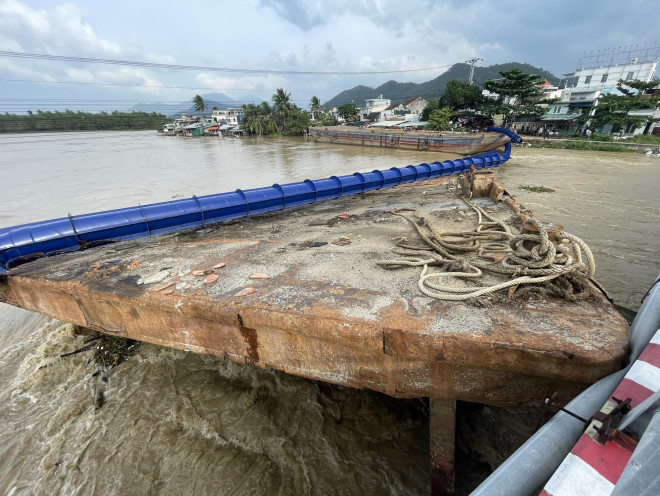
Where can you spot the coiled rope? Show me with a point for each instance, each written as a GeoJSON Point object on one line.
{"type": "Point", "coordinates": [529, 259]}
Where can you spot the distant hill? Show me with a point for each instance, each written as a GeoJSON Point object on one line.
{"type": "Point", "coordinates": [432, 90]}
{"type": "Point", "coordinates": [170, 109]}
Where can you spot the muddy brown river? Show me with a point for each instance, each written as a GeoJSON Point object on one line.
{"type": "Point", "coordinates": [179, 423]}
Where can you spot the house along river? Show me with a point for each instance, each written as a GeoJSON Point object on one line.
{"type": "Point", "coordinates": [179, 423]}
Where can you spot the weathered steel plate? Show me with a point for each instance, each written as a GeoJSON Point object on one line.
{"type": "Point", "coordinates": [326, 310]}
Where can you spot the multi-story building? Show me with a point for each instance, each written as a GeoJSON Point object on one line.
{"type": "Point", "coordinates": [373, 108]}
{"type": "Point", "coordinates": [229, 116]}
{"type": "Point", "coordinates": [599, 73]}
{"type": "Point", "coordinates": [415, 105]}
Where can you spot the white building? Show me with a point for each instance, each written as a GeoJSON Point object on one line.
{"type": "Point", "coordinates": [373, 108]}
{"type": "Point", "coordinates": [415, 105]}
{"type": "Point", "coordinates": [599, 73]}
{"type": "Point", "coordinates": [228, 116]}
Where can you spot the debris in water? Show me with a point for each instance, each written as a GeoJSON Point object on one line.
{"type": "Point", "coordinates": [199, 273]}
{"type": "Point", "coordinates": [219, 266]}
{"type": "Point", "coordinates": [110, 351]}
{"type": "Point", "coordinates": [210, 279]}
{"type": "Point", "coordinates": [99, 400]}
{"type": "Point", "coordinates": [344, 216]}
{"type": "Point", "coordinates": [536, 189]}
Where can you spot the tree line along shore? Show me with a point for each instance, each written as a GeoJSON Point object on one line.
{"type": "Point", "coordinates": [68, 120]}
{"type": "Point", "coordinates": [514, 98]}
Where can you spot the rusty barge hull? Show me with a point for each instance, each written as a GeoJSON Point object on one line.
{"type": "Point", "coordinates": [453, 143]}
{"type": "Point", "coordinates": [326, 311]}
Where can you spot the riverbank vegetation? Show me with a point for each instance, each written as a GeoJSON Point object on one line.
{"type": "Point", "coordinates": [645, 139]}
{"type": "Point", "coordinates": [583, 145]}
{"type": "Point", "coordinates": [517, 96]}
{"type": "Point", "coordinates": [622, 111]}
{"type": "Point", "coordinates": [283, 117]}
{"type": "Point", "coordinates": [69, 120]}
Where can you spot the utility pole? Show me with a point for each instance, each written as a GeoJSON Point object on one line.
{"type": "Point", "coordinates": [472, 61]}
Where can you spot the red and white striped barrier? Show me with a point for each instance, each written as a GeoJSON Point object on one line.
{"type": "Point", "coordinates": [591, 468]}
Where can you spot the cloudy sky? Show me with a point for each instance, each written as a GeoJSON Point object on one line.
{"type": "Point", "coordinates": [363, 36]}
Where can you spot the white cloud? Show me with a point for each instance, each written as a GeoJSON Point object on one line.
{"type": "Point", "coordinates": [306, 35]}
{"type": "Point", "coordinates": [65, 31]}
{"type": "Point", "coordinates": [237, 87]}
{"type": "Point", "coordinates": [61, 31]}
{"type": "Point", "coordinates": [9, 66]}
{"type": "Point", "coordinates": [120, 76]}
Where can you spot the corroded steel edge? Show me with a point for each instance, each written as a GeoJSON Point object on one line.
{"type": "Point", "coordinates": [353, 352]}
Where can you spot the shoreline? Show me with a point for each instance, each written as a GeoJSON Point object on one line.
{"type": "Point", "coordinates": [52, 131]}
{"type": "Point", "coordinates": [584, 145]}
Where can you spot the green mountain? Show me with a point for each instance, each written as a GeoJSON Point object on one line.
{"type": "Point", "coordinates": [175, 109]}
{"type": "Point", "coordinates": [432, 90]}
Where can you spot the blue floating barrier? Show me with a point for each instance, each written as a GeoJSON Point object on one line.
{"type": "Point", "coordinates": [20, 244]}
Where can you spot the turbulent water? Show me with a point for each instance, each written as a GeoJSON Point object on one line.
{"type": "Point", "coordinates": [179, 423]}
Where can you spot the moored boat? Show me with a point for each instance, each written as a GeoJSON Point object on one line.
{"type": "Point", "coordinates": [449, 142]}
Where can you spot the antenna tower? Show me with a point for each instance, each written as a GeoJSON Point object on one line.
{"type": "Point", "coordinates": [472, 61]}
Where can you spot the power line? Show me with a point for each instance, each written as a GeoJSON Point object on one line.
{"type": "Point", "coordinates": [161, 86]}
{"type": "Point", "coordinates": [63, 101]}
{"type": "Point", "coordinates": [154, 65]}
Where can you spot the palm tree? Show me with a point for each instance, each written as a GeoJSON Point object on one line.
{"type": "Point", "coordinates": [315, 107]}
{"type": "Point", "coordinates": [282, 107]}
{"type": "Point", "coordinates": [258, 119]}
{"type": "Point", "coordinates": [199, 104]}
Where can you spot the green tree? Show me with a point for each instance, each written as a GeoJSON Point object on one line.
{"type": "Point", "coordinates": [297, 122]}
{"type": "Point", "coordinates": [347, 111]}
{"type": "Point", "coordinates": [315, 107]}
{"type": "Point", "coordinates": [258, 119]}
{"type": "Point", "coordinates": [79, 121]}
{"type": "Point", "coordinates": [459, 95]}
{"type": "Point", "coordinates": [429, 109]}
{"type": "Point", "coordinates": [439, 119]}
{"type": "Point", "coordinates": [326, 119]}
{"type": "Point", "coordinates": [615, 109]}
{"type": "Point", "coordinates": [517, 94]}
{"type": "Point", "coordinates": [282, 106]}
{"type": "Point", "coordinates": [199, 104]}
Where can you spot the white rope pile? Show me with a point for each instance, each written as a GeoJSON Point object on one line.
{"type": "Point", "coordinates": [525, 258]}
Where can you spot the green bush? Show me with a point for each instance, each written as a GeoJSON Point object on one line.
{"type": "Point", "coordinates": [645, 139]}
{"type": "Point", "coordinates": [585, 145]}
{"type": "Point", "coordinates": [601, 137]}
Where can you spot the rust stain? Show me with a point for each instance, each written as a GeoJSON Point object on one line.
{"type": "Point", "coordinates": [202, 242]}
{"type": "Point", "coordinates": [250, 336]}
{"type": "Point", "coordinates": [318, 325]}
{"type": "Point", "coordinates": [244, 292]}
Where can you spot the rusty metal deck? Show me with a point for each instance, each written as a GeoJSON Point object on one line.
{"type": "Point", "coordinates": [327, 311]}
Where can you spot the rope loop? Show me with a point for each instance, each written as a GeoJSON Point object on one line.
{"type": "Point", "coordinates": [526, 259]}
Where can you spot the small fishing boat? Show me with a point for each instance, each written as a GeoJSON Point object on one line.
{"type": "Point", "coordinates": [460, 143]}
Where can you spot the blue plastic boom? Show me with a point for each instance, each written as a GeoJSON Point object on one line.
{"type": "Point", "coordinates": [23, 243]}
